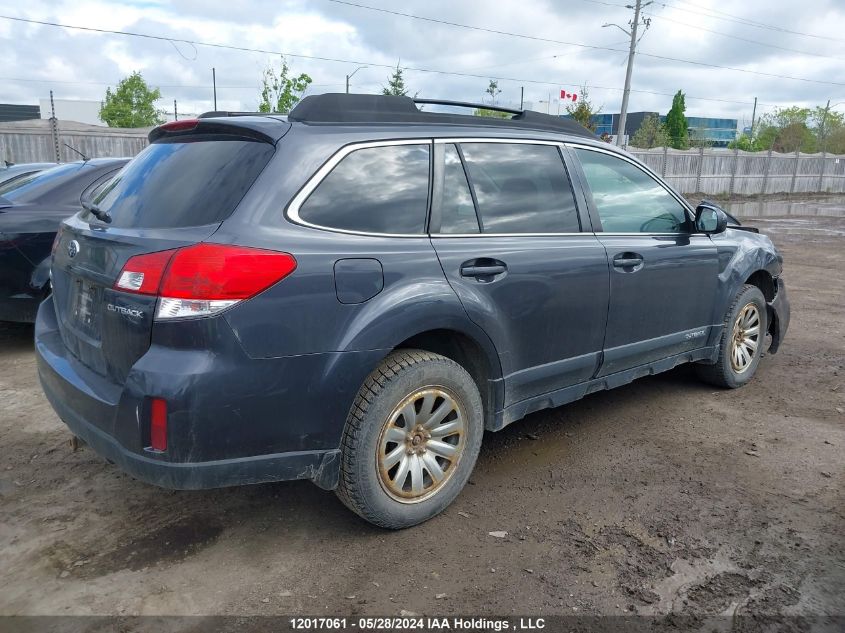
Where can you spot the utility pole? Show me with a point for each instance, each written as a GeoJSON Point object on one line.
{"type": "Point", "coordinates": [175, 111]}
{"type": "Point", "coordinates": [754, 117]}
{"type": "Point", "coordinates": [214, 83]}
{"type": "Point", "coordinates": [521, 96]}
{"type": "Point", "coordinates": [623, 115]}
{"type": "Point", "coordinates": [54, 128]}
{"type": "Point", "coordinates": [823, 125]}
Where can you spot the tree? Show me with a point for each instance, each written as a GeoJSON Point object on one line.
{"type": "Point", "coordinates": [651, 133]}
{"type": "Point", "coordinates": [395, 84]}
{"type": "Point", "coordinates": [493, 91]}
{"type": "Point", "coordinates": [132, 104]}
{"type": "Point", "coordinates": [745, 143]}
{"type": "Point", "coordinates": [583, 110]}
{"type": "Point", "coordinates": [676, 122]}
{"type": "Point", "coordinates": [496, 114]}
{"type": "Point", "coordinates": [280, 93]}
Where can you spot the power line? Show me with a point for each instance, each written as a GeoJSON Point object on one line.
{"type": "Point", "coordinates": [589, 46]}
{"type": "Point", "coordinates": [738, 20]}
{"type": "Point", "coordinates": [727, 17]}
{"type": "Point", "coordinates": [741, 39]}
{"type": "Point", "coordinates": [511, 79]}
{"type": "Point", "coordinates": [342, 61]}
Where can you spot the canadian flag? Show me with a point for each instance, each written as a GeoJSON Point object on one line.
{"type": "Point", "coordinates": [568, 95]}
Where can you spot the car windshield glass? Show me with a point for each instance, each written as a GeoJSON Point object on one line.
{"type": "Point", "coordinates": [33, 185]}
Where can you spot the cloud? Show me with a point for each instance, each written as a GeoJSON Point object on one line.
{"type": "Point", "coordinates": [80, 65]}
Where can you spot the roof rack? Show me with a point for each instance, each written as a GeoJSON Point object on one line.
{"type": "Point", "coordinates": [341, 108]}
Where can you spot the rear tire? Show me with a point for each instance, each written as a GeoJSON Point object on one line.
{"type": "Point", "coordinates": [742, 343]}
{"type": "Point", "coordinates": [411, 439]}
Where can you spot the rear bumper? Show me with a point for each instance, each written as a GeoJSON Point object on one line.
{"type": "Point", "coordinates": [231, 419]}
{"type": "Point", "coordinates": [318, 466]}
{"type": "Point", "coordinates": [21, 309]}
{"type": "Point", "coordinates": [779, 314]}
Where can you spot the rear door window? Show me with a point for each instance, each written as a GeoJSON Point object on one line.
{"type": "Point", "coordinates": [374, 190]}
{"type": "Point", "coordinates": [190, 182]}
{"type": "Point", "coordinates": [521, 188]}
{"type": "Point", "coordinates": [457, 213]}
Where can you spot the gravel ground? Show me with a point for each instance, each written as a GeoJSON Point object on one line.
{"type": "Point", "coordinates": [662, 496]}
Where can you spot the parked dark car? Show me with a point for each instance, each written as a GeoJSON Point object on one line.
{"type": "Point", "coordinates": [31, 208]}
{"type": "Point", "coordinates": [354, 293]}
{"type": "Point", "coordinates": [9, 172]}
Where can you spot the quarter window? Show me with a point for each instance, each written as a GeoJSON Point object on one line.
{"type": "Point", "coordinates": [521, 188]}
{"type": "Point", "coordinates": [628, 200]}
{"type": "Point", "coordinates": [374, 190]}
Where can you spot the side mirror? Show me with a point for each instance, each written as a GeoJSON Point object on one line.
{"type": "Point", "coordinates": [710, 219]}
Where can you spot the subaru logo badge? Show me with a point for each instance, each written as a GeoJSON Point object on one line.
{"type": "Point", "coordinates": [73, 248]}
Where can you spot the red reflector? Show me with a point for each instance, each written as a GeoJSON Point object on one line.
{"type": "Point", "coordinates": [219, 271]}
{"type": "Point", "coordinates": [142, 274]}
{"type": "Point", "coordinates": [158, 424]}
{"type": "Point", "coordinates": [180, 126]}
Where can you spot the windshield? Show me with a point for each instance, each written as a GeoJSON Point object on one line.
{"type": "Point", "coordinates": [31, 186]}
{"type": "Point", "coordinates": [192, 182]}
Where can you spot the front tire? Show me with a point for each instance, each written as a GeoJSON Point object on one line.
{"type": "Point", "coordinates": [411, 439]}
{"type": "Point", "coordinates": [742, 343]}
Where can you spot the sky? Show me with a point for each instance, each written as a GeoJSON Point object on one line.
{"type": "Point", "coordinates": [548, 46]}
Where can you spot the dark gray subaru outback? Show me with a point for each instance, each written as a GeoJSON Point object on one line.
{"type": "Point", "coordinates": [354, 293]}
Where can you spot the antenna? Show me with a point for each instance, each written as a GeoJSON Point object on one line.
{"type": "Point", "coordinates": [73, 149]}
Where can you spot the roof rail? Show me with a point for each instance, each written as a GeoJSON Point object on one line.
{"type": "Point", "coordinates": [466, 104]}
{"type": "Point", "coordinates": [222, 113]}
{"type": "Point", "coordinates": [341, 108]}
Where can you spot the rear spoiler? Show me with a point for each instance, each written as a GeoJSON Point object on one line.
{"type": "Point", "coordinates": [253, 128]}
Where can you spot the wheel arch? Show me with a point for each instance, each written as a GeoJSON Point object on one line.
{"type": "Point", "coordinates": [476, 355]}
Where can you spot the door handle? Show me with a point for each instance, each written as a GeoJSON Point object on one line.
{"type": "Point", "coordinates": [628, 260]}
{"type": "Point", "coordinates": [483, 271]}
{"type": "Point", "coordinates": [483, 268]}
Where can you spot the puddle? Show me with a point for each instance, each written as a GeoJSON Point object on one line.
{"type": "Point", "coordinates": [828, 207]}
{"type": "Point", "coordinates": [169, 544]}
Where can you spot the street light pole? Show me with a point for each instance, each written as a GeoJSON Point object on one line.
{"type": "Point", "coordinates": [350, 75]}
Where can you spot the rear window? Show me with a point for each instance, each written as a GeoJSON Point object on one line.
{"type": "Point", "coordinates": [185, 183]}
{"type": "Point", "coordinates": [373, 190]}
{"type": "Point", "coordinates": [29, 186]}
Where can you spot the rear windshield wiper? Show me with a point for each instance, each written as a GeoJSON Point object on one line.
{"type": "Point", "coordinates": [97, 212]}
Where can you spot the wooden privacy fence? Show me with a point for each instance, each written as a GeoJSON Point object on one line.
{"type": "Point", "coordinates": [728, 171]}
{"type": "Point", "coordinates": [43, 140]}
{"type": "Point", "coordinates": [708, 171]}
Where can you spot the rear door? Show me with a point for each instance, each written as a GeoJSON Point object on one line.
{"type": "Point", "coordinates": [508, 231]}
{"type": "Point", "coordinates": [662, 275]}
{"type": "Point", "coordinates": [175, 193]}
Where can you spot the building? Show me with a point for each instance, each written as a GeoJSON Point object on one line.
{"type": "Point", "coordinates": [717, 132]}
{"type": "Point", "coordinates": [78, 110]}
{"type": "Point", "coordinates": [17, 112]}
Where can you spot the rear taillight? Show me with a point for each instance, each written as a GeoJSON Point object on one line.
{"type": "Point", "coordinates": [142, 274]}
{"type": "Point", "coordinates": [203, 279]}
{"type": "Point", "coordinates": [158, 424]}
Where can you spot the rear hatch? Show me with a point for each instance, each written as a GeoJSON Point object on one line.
{"type": "Point", "coordinates": [174, 194]}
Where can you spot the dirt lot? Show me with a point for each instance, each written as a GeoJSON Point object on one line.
{"type": "Point", "coordinates": [665, 495]}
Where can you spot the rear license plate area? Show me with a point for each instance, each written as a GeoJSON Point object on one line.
{"type": "Point", "coordinates": [86, 301]}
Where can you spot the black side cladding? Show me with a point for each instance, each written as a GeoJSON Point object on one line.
{"type": "Point", "coordinates": [341, 108]}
